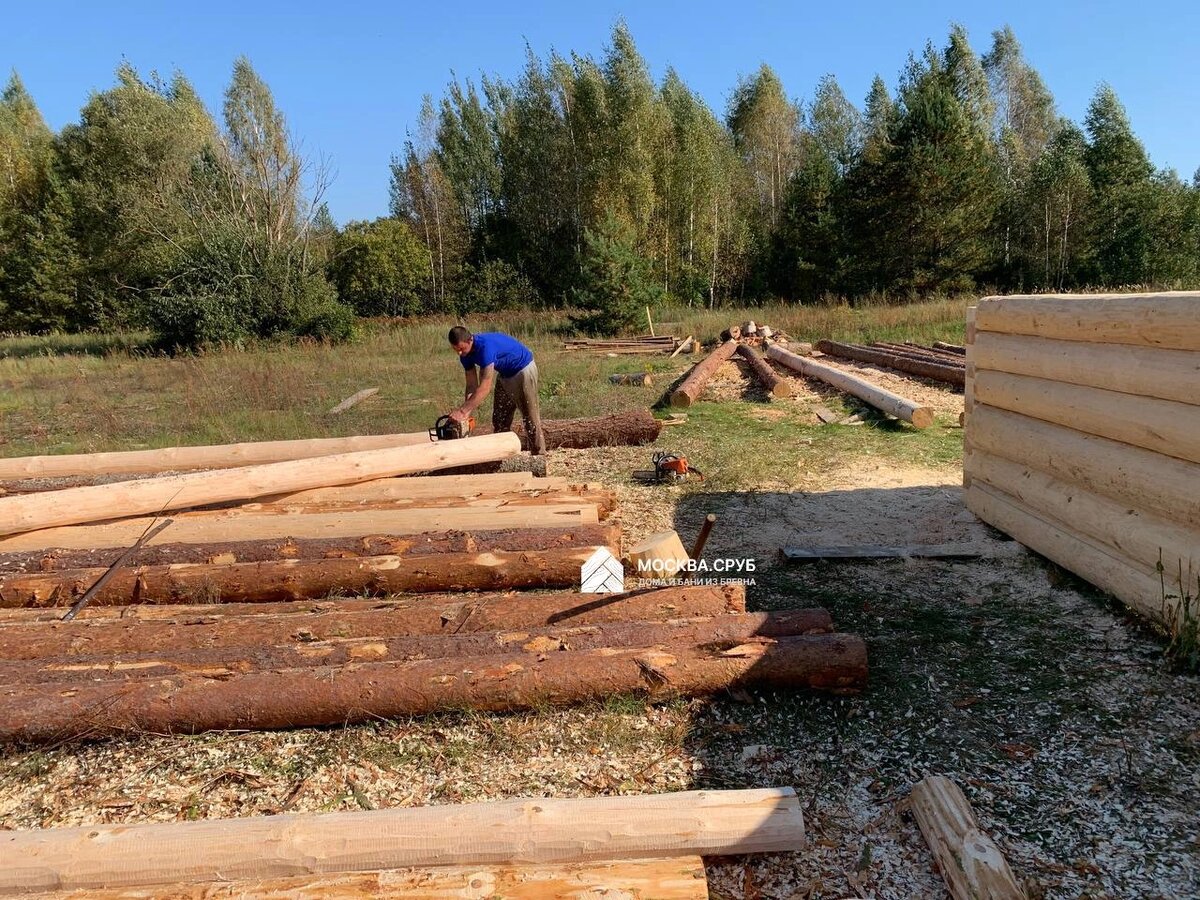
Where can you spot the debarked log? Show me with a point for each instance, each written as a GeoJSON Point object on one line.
{"type": "Point", "coordinates": [299, 579]}
{"type": "Point", "coordinates": [218, 662]}
{"type": "Point", "coordinates": [150, 628]}
{"type": "Point", "coordinates": [344, 695]}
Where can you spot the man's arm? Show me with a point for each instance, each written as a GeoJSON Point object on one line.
{"type": "Point", "coordinates": [475, 394]}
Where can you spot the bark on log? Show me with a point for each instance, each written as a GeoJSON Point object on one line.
{"type": "Point", "coordinates": [219, 662]}
{"type": "Point", "coordinates": [936, 371]}
{"type": "Point", "coordinates": [882, 399]}
{"type": "Point", "coordinates": [150, 628]}
{"type": "Point", "coordinates": [637, 379]}
{"type": "Point", "coordinates": [1140, 478]}
{"type": "Point", "coordinates": [934, 356]}
{"type": "Point", "coordinates": [971, 864]}
{"type": "Point", "coordinates": [1142, 371]}
{"type": "Point", "coordinates": [218, 456]}
{"type": "Point", "coordinates": [302, 579]}
{"type": "Point", "coordinates": [1107, 569]}
{"type": "Point", "coordinates": [776, 386]}
{"type": "Point", "coordinates": [529, 832]}
{"type": "Point", "coordinates": [678, 878]}
{"type": "Point", "coordinates": [1163, 426]}
{"type": "Point", "coordinates": [406, 545]}
{"type": "Point", "coordinates": [154, 496]}
{"type": "Point", "coordinates": [346, 695]}
{"type": "Point", "coordinates": [630, 428]}
{"type": "Point", "coordinates": [692, 387]}
{"type": "Point", "coordinates": [957, 349]}
{"type": "Point", "coordinates": [1139, 535]}
{"type": "Point", "coordinates": [1169, 320]}
{"type": "Point", "coordinates": [250, 526]}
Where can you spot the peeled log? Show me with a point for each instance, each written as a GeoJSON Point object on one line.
{"type": "Point", "coordinates": [970, 862]}
{"type": "Point", "coordinates": [1164, 426]}
{"type": "Point", "coordinates": [881, 399]}
{"type": "Point", "coordinates": [1170, 320]}
{"type": "Point", "coordinates": [631, 428]}
{"type": "Point", "coordinates": [693, 386]}
{"type": "Point", "coordinates": [948, 374]}
{"type": "Point", "coordinates": [1140, 478]}
{"type": "Point", "coordinates": [677, 878]}
{"type": "Point", "coordinates": [530, 832]}
{"type": "Point", "coordinates": [346, 695]}
{"type": "Point", "coordinates": [220, 661]}
{"type": "Point", "coordinates": [775, 385]}
{"type": "Point", "coordinates": [153, 496]}
{"type": "Point", "coordinates": [150, 628]}
{"type": "Point", "coordinates": [301, 579]}
{"type": "Point", "coordinates": [407, 545]}
{"type": "Point", "coordinates": [217, 456]}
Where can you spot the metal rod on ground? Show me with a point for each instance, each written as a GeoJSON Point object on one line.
{"type": "Point", "coordinates": [117, 563]}
{"type": "Point", "coordinates": [702, 538]}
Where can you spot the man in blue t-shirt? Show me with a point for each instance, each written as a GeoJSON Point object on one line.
{"type": "Point", "coordinates": [493, 357]}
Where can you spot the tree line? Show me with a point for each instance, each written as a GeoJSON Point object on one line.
{"type": "Point", "coordinates": [583, 183]}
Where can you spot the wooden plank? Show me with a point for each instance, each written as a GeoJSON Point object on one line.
{"type": "Point", "coordinates": [1163, 426]}
{"type": "Point", "coordinates": [826, 415]}
{"type": "Point", "coordinates": [882, 399]}
{"type": "Point", "coordinates": [1170, 320]}
{"type": "Point", "coordinates": [353, 400]}
{"type": "Point", "coordinates": [1141, 371]}
{"type": "Point", "coordinates": [210, 528]}
{"type": "Point", "coordinates": [908, 551]}
{"type": "Point", "coordinates": [677, 878]}
{"type": "Point", "coordinates": [970, 862]}
{"type": "Point", "coordinates": [154, 496]}
{"type": "Point", "coordinates": [218, 456]}
{"type": "Point", "coordinates": [530, 832]}
{"type": "Point", "coordinates": [1140, 478]}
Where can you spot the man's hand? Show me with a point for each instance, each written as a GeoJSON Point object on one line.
{"type": "Point", "coordinates": [459, 415]}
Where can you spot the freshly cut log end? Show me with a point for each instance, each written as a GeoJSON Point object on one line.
{"type": "Point", "coordinates": [639, 379]}
{"type": "Point", "coordinates": [343, 695]}
{"type": "Point", "coordinates": [660, 555]}
{"type": "Point", "coordinates": [693, 386]}
{"type": "Point", "coordinates": [971, 863]}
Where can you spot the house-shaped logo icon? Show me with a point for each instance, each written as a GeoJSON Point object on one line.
{"type": "Point", "coordinates": [602, 574]}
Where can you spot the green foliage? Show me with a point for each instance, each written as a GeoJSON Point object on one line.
{"type": "Point", "coordinates": [617, 284]}
{"type": "Point", "coordinates": [494, 286]}
{"type": "Point", "coordinates": [380, 268]}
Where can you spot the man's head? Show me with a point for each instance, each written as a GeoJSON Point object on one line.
{"type": "Point", "coordinates": [461, 340]}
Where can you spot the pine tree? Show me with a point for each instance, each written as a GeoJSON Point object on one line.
{"type": "Point", "coordinates": [618, 282]}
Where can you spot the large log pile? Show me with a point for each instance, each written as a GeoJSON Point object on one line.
{"type": "Point", "coordinates": [1083, 415]}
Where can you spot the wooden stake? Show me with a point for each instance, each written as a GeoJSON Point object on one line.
{"type": "Point", "coordinates": [354, 400]}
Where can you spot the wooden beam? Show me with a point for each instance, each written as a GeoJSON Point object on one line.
{"type": "Point", "coordinates": [353, 400]}
{"type": "Point", "coordinates": [370, 691]}
{"type": "Point", "coordinates": [1140, 478]}
{"type": "Point", "coordinates": [1163, 426]}
{"type": "Point", "coordinates": [222, 661]}
{"type": "Point", "coordinates": [218, 456]}
{"type": "Point", "coordinates": [1140, 535]}
{"type": "Point", "coordinates": [675, 878]}
{"type": "Point", "coordinates": [971, 864]}
{"type": "Point", "coordinates": [154, 496]}
{"type": "Point", "coordinates": [1168, 320]}
{"type": "Point", "coordinates": [692, 387]}
{"type": "Point", "coordinates": [249, 526]}
{"type": "Point", "coordinates": [937, 371]}
{"type": "Point", "coordinates": [111, 630]}
{"type": "Point", "coordinates": [882, 399]}
{"type": "Point", "coordinates": [1142, 371]}
{"type": "Point", "coordinates": [775, 386]}
{"type": "Point", "coordinates": [529, 832]}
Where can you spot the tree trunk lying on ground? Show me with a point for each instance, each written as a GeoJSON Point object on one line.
{"type": "Point", "coordinates": [631, 428]}
{"type": "Point", "coordinates": [957, 349]}
{"type": "Point", "coordinates": [677, 878]}
{"type": "Point", "coordinates": [693, 386]}
{"type": "Point", "coordinates": [933, 356]}
{"type": "Point", "coordinates": [150, 628]}
{"type": "Point", "coordinates": [345, 695]}
{"type": "Point", "coordinates": [407, 545]}
{"type": "Point", "coordinates": [298, 579]}
{"type": "Point", "coordinates": [220, 661]}
{"type": "Point", "coordinates": [776, 386]}
{"type": "Point", "coordinates": [937, 371]}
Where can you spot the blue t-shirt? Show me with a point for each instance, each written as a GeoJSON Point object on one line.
{"type": "Point", "coordinates": [506, 353]}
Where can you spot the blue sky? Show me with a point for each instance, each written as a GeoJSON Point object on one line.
{"type": "Point", "coordinates": [350, 76]}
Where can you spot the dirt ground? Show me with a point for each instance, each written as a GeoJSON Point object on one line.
{"type": "Point", "coordinates": [1078, 748]}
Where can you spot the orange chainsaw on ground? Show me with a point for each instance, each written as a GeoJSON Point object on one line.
{"type": "Point", "coordinates": [669, 468]}
{"type": "Point", "coordinates": [446, 429]}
